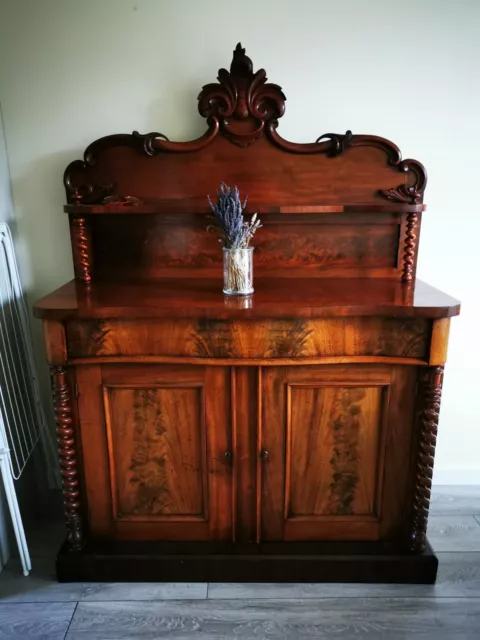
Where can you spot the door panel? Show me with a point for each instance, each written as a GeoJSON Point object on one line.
{"type": "Point", "coordinates": [329, 434]}
{"type": "Point", "coordinates": [333, 449]}
{"type": "Point", "coordinates": [157, 453]}
{"type": "Point", "coordinates": [161, 434]}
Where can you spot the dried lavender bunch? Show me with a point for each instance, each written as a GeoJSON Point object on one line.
{"type": "Point", "coordinates": [234, 231]}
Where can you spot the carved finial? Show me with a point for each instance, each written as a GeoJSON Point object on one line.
{"type": "Point", "coordinates": [242, 102]}
{"type": "Point", "coordinates": [241, 64]}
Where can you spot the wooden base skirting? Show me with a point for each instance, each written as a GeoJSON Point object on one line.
{"type": "Point", "coordinates": [341, 562]}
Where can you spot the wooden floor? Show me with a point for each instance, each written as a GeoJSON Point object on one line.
{"type": "Point", "coordinates": [38, 607]}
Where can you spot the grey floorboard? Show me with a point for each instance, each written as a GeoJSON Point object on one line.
{"type": "Point", "coordinates": [329, 618]}
{"type": "Point", "coordinates": [455, 500]}
{"type": "Point", "coordinates": [42, 586]}
{"type": "Point", "coordinates": [48, 621]}
{"type": "Point", "coordinates": [454, 533]}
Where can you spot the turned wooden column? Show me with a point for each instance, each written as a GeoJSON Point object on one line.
{"type": "Point", "coordinates": [82, 248]}
{"type": "Point", "coordinates": [410, 247]}
{"type": "Point", "coordinates": [429, 396]}
{"type": "Point", "coordinates": [67, 457]}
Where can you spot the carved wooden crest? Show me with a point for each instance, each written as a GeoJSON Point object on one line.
{"type": "Point", "coordinates": [242, 101]}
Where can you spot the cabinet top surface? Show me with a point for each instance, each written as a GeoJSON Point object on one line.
{"type": "Point", "coordinates": [273, 298]}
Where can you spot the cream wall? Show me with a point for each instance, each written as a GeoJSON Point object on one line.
{"type": "Point", "coordinates": [73, 71]}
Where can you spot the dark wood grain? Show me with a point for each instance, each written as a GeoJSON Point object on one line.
{"type": "Point", "coordinates": [290, 338]}
{"type": "Point", "coordinates": [293, 245]}
{"type": "Point", "coordinates": [200, 206]}
{"type": "Point", "coordinates": [159, 437]}
{"type": "Point", "coordinates": [343, 431]}
{"type": "Point", "coordinates": [157, 451]}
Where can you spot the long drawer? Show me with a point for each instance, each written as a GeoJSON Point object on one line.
{"type": "Point", "coordinates": [285, 338]}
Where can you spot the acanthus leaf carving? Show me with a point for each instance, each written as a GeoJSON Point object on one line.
{"type": "Point", "coordinates": [242, 101]}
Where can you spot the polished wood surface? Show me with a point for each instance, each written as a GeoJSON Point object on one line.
{"type": "Point", "coordinates": [289, 246]}
{"type": "Point", "coordinates": [345, 433]}
{"type": "Point", "coordinates": [156, 446]}
{"type": "Point", "coordinates": [269, 339]}
{"type": "Point", "coordinates": [286, 435]}
{"type": "Point", "coordinates": [273, 298]}
{"type": "Point", "coordinates": [200, 206]}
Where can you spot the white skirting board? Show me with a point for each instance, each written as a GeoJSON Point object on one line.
{"type": "Point", "coordinates": [456, 476]}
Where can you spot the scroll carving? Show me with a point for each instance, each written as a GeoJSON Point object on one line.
{"type": "Point", "coordinates": [242, 101]}
{"type": "Point", "coordinates": [82, 249]}
{"type": "Point", "coordinates": [429, 396]}
{"type": "Point", "coordinates": [408, 193]}
{"type": "Point", "coordinates": [79, 189]}
{"type": "Point", "coordinates": [67, 458]}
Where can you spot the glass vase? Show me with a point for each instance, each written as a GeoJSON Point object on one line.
{"type": "Point", "coordinates": [238, 271]}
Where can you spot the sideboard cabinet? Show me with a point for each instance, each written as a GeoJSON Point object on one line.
{"type": "Point", "coordinates": [288, 435]}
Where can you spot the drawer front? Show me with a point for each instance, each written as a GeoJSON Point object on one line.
{"type": "Point", "coordinates": [285, 338]}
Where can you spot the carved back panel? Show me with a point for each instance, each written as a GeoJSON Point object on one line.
{"type": "Point", "coordinates": [353, 204]}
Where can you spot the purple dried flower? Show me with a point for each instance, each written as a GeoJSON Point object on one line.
{"type": "Point", "coordinates": [228, 213]}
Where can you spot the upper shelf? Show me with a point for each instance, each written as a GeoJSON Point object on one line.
{"type": "Point", "coordinates": [202, 207]}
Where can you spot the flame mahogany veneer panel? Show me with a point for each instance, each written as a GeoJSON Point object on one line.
{"type": "Point", "coordinates": [333, 449]}
{"type": "Point", "coordinates": [154, 439]}
{"type": "Point", "coordinates": [339, 451]}
{"type": "Point", "coordinates": [289, 338]}
{"type": "Point", "coordinates": [157, 450]}
{"type": "Point", "coordinates": [152, 246]}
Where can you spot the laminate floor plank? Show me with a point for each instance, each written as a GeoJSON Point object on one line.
{"type": "Point", "coordinates": [42, 586]}
{"type": "Point", "coordinates": [48, 621]}
{"type": "Point", "coordinates": [455, 500]}
{"type": "Point", "coordinates": [454, 533]}
{"type": "Point", "coordinates": [342, 619]}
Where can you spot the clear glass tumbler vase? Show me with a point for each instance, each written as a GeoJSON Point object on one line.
{"type": "Point", "coordinates": [238, 271]}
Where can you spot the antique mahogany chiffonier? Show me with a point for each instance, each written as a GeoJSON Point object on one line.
{"type": "Point", "coordinates": [288, 435]}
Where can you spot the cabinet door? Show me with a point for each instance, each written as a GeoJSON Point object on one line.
{"type": "Point", "coordinates": [154, 440]}
{"type": "Point", "coordinates": [336, 444]}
